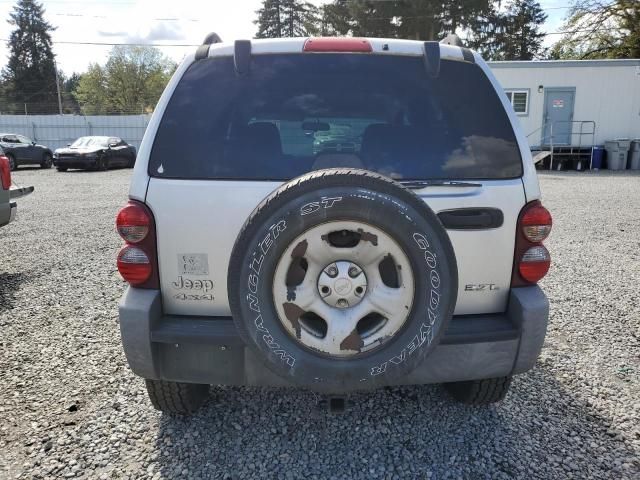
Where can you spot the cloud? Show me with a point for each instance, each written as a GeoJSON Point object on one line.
{"type": "Point", "coordinates": [112, 34]}
{"type": "Point", "coordinates": [157, 33]}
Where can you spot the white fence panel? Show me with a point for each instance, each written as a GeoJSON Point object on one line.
{"type": "Point", "coordinates": [57, 131]}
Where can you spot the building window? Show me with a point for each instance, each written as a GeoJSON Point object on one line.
{"type": "Point", "coordinates": [519, 100]}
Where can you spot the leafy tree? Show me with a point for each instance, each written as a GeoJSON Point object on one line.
{"type": "Point", "coordinates": [601, 29]}
{"type": "Point", "coordinates": [131, 81]}
{"type": "Point", "coordinates": [91, 91]}
{"type": "Point", "coordinates": [286, 18]}
{"type": "Point", "coordinates": [29, 76]}
{"type": "Point", "coordinates": [513, 34]}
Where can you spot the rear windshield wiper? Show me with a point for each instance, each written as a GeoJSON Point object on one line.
{"type": "Point", "coordinates": [415, 184]}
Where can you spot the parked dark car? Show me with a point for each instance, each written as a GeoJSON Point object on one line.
{"type": "Point", "coordinates": [21, 150]}
{"type": "Point", "coordinates": [96, 153]}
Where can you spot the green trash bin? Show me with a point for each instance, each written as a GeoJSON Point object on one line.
{"type": "Point", "coordinates": [617, 151]}
{"type": "Point", "coordinates": [634, 155]}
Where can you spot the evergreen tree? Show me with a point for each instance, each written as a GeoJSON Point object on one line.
{"type": "Point", "coordinates": [335, 19]}
{"type": "Point", "coordinates": [67, 87]}
{"type": "Point", "coordinates": [513, 34]}
{"type": "Point", "coordinates": [415, 19]}
{"type": "Point", "coordinates": [522, 38]}
{"type": "Point", "coordinates": [269, 19]}
{"type": "Point", "coordinates": [30, 77]}
{"type": "Point", "coordinates": [429, 20]}
{"type": "Point", "coordinates": [372, 18]}
{"type": "Point", "coordinates": [286, 18]}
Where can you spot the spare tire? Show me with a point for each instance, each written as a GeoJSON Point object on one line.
{"type": "Point", "coordinates": [342, 280]}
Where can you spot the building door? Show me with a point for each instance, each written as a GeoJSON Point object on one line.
{"type": "Point", "coordinates": [558, 111]}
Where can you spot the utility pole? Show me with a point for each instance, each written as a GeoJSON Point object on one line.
{"type": "Point", "coordinates": [58, 88]}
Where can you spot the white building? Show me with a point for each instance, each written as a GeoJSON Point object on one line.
{"type": "Point", "coordinates": [556, 100]}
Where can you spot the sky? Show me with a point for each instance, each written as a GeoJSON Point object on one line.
{"type": "Point", "coordinates": [162, 22]}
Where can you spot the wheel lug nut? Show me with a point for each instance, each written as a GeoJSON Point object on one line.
{"type": "Point", "coordinates": [353, 272]}
{"type": "Point", "coordinates": [342, 303]}
{"type": "Point", "coordinates": [332, 271]}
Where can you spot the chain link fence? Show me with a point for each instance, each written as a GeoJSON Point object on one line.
{"type": "Point", "coordinates": [57, 131]}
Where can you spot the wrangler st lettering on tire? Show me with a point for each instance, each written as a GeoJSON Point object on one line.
{"type": "Point", "coordinates": [342, 279]}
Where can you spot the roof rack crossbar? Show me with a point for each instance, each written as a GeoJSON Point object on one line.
{"type": "Point", "coordinates": [242, 56]}
{"type": "Point", "coordinates": [432, 58]}
{"type": "Point", "coordinates": [203, 50]}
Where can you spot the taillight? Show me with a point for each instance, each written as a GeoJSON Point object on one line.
{"type": "Point", "coordinates": [532, 259]}
{"type": "Point", "coordinates": [137, 260]}
{"type": "Point", "coordinates": [134, 265]}
{"type": "Point", "coordinates": [132, 223]}
{"type": "Point", "coordinates": [337, 44]}
{"type": "Point", "coordinates": [5, 172]}
{"type": "Point", "coordinates": [534, 263]}
{"type": "Point", "coordinates": [536, 223]}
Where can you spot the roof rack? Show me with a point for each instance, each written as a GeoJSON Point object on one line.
{"type": "Point", "coordinates": [452, 39]}
{"type": "Point", "coordinates": [203, 50]}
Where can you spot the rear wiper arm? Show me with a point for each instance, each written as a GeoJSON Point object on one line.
{"type": "Point", "coordinates": [415, 184]}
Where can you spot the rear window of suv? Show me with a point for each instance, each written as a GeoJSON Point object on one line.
{"type": "Point", "coordinates": [294, 113]}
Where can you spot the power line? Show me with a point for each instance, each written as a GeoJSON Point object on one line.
{"type": "Point", "coordinates": [84, 2]}
{"type": "Point", "coordinates": [113, 44]}
{"type": "Point", "coordinates": [167, 19]}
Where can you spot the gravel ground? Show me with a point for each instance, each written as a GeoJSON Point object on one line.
{"type": "Point", "coordinates": [69, 406]}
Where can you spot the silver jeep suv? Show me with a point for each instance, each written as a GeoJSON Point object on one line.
{"type": "Point", "coordinates": [337, 214]}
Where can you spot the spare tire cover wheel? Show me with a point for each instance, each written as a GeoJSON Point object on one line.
{"type": "Point", "coordinates": [342, 280]}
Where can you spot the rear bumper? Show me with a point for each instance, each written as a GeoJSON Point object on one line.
{"type": "Point", "coordinates": [19, 192]}
{"type": "Point", "coordinates": [209, 350]}
{"type": "Point", "coordinates": [8, 213]}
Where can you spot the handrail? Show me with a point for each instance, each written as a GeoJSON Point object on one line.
{"type": "Point", "coordinates": [536, 130]}
{"type": "Point", "coordinates": [580, 134]}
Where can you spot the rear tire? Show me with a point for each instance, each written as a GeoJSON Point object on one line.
{"type": "Point", "coordinates": [174, 397]}
{"type": "Point", "coordinates": [47, 161]}
{"type": "Point", "coordinates": [479, 392]}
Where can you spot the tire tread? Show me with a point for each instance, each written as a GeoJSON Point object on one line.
{"type": "Point", "coordinates": [480, 392]}
{"type": "Point", "coordinates": [316, 181]}
{"type": "Point", "coordinates": [175, 397]}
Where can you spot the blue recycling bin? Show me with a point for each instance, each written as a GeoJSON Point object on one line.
{"type": "Point", "coordinates": [598, 157]}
